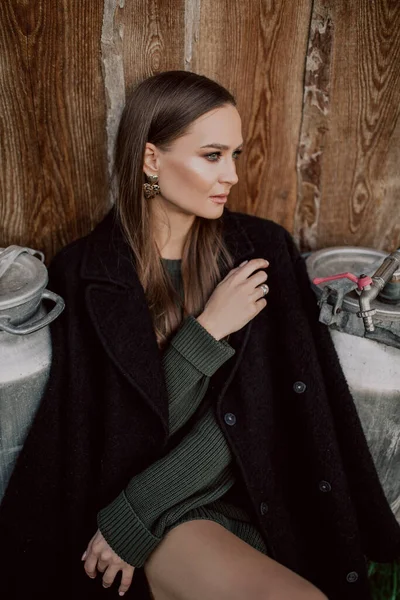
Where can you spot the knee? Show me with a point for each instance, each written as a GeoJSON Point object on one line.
{"type": "Point", "coordinates": [318, 595]}
{"type": "Point", "coordinates": [288, 587]}
{"type": "Point", "coordinates": [311, 593]}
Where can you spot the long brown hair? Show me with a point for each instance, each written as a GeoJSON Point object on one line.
{"type": "Point", "coordinates": [159, 110]}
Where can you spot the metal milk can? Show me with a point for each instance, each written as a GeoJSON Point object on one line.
{"type": "Point", "coordinates": [25, 348]}
{"type": "Point", "coordinates": [360, 302]}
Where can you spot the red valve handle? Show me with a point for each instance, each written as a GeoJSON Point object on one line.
{"type": "Point", "coordinates": [360, 281]}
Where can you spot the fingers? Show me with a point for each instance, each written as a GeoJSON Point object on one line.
{"type": "Point", "coordinates": [247, 267]}
{"type": "Point", "coordinates": [260, 304]}
{"type": "Point", "coordinates": [90, 561]}
{"type": "Point", "coordinates": [233, 271]}
{"type": "Point", "coordinates": [126, 580]}
{"type": "Point", "coordinates": [109, 575]}
{"type": "Point", "coordinates": [110, 572]}
{"type": "Point", "coordinates": [102, 565]}
{"type": "Point", "coordinates": [260, 292]}
{"type": "Point", "coordinates": [99, 556]}
{"type": "Point", "coordinates": [90, 565]}
{"type": "Point", "coordinates": [256, 279]}
{"type": "Point", "coordinates": [256, 263]}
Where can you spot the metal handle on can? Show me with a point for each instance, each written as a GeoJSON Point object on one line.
{"type": "Point", "coordinates": [9, 255]}
{"type": "Point", "coordinates": [40, 323]}
{"type": "Point", "coordinates": [362, 281]}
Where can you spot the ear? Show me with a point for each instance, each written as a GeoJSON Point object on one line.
{"type": "Point", "coordinates": [151, 159]}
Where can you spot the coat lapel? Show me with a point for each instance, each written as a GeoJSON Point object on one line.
{"type": "Point", "coordinates": [117, 306]}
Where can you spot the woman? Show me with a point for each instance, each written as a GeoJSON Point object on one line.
{"type": "Point", "coordinates": [209, 437]}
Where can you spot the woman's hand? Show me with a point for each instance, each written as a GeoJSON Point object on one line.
{"type": "Point", "coordinates": [236, 300]}
{"type": "Point", "coordinates": [101, 556]}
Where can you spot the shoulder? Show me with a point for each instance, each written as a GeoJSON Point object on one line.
{"type": "Point", "coordinates": [256, 224]}
{"type": "Point", "coordinates": [68, 260]}
{"type": "Point", "coordinates": [261, 231]}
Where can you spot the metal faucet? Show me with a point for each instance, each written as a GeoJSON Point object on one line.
{"type": "Point", "coordinates": [379, 279]}
{"type": "Point", "coordinates": [369, 287]}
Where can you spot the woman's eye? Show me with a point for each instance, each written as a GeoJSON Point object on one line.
{"type": "Point", "coordinates": [215, 156]}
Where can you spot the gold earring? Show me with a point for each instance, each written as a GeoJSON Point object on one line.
{"type": "Point", "coordinates": [151, 188]}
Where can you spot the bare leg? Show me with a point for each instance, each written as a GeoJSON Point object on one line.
{"type": "Point", "coordinates": [201, 560]}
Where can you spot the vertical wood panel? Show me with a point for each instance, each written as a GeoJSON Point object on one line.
{"type": "Point", "coordinates": [192, 30]}
{"type": "Point", "coordinates": [19, 144]}
{"type": "Point", "coordinates": [323, 163]}
{"type": "Point", "coordinates": [139, 38]}
{"type": "Point", "coordinates": [257, 50]}
{"type": "Point", "coordinates": [314, 126]}
{"type": "Point", "coordinates": [114, 81]}
{"type": "Point", "coordinates": [54, 125]}
{"type": "Point", "coordinates": [154, 35]}
{"type": "Point", "coordinates": [359, 180]}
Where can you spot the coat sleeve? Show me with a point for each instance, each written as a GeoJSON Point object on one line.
{"type": "Point", "coordinates": [380, 532]}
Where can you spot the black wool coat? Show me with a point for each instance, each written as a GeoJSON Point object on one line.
{"type": "Point", "coordinates": [304, 470]}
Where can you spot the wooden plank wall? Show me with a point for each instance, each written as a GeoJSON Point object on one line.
{"type": "Point", "coordinates": [52, 137]}
{"type": "Point", "coordinates": [317, 84]}
{"type": "Point", "coordinates": [349, 149]}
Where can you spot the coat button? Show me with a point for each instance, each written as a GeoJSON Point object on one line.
{"type": "Point", "coordinates": [324, 486]}
{"type": "Point", "coordinates": [263, 508]}
{"type": "Point", "coordinates": [230, 419]}
{"type": "Point", "coordinates": [352, 576]}
{"type": "Point", "coordinates": [299, 387]}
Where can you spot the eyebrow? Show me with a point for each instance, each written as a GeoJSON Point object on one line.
{"type": "Point", "coordinates": [220, 146]}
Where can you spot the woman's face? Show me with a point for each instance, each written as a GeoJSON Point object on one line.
{"type": "Point", "coordinates": [199, 165]}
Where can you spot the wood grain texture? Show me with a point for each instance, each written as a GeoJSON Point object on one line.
{"type": "Point", "coordinates": [256, 49]}
{"type": "Point", "coordinates": [139, 38]}
{"type": "Point", "coordinates": [154, 37]}
{"type": "Point", "coordinates": [192, 31]}
{"type": "Point", "coordinates": [322, 159]}
{"type": "Point", "coordinates": [112, 37]}
{"type": "Point", "coordinates": [53, 176]}
{"type": "Point", "coordinates": [19, 143]}
{"type": "Point", "coordinates": [314, 126]}
{"type": "Point", "coordinates": [359, 181]}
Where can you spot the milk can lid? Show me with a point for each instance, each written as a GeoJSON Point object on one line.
{"type": "Point", "coordinates": [349, 259]}
{"type": "Point", "coordinates": [22, 276]}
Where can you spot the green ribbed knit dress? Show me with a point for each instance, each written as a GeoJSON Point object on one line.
{"type": "Point", "coordinates": [191, 480]}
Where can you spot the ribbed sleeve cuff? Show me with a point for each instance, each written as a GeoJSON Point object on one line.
{"type": "Point", "coordinates": [200, 348]}
{"type": "Point", "coordinates": [125, 532]}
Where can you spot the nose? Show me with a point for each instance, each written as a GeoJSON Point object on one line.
{"type": "Point", "coordinates": [228, 174]}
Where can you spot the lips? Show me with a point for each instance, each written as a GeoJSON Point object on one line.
{"type": "Point", "coordinates": [219, 199]}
